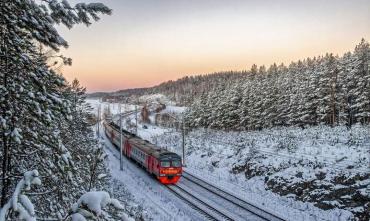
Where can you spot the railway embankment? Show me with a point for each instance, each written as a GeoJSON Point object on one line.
{"type": "Point", "coordinates": [320, 167]}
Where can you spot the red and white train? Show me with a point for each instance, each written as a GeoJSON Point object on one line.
{"type": "Point", "coordinates": [164, 165]}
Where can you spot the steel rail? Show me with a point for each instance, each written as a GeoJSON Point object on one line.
{"type": "Point", "coordinates": [232, 199]}
{"type": "Point", "coordinates": [211, 210]}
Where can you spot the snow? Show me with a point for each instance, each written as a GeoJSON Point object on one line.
{"type": "Point", "coordinates": [78, 217]}
{"type": "Point", "coordinates": [155, 98]}
{"type": "Point", "coordinates": [93, 204]}
{"type": "Point", "coordinates": [113, 107]}
{"type": "Point", "coordinates": [95, 201]}
{"type": "Point", "coordinates": [211, 155]}
{"type": "Point", "coordinates": [16, 135]}
{"type": "Point", "coordinates": [100, 176]}
{"type": "Point", "coordinates": [156, 201]}
{"type": "Point", "coordinates": [31, 95]}
{"type": "Point", "coordinates": [174, 109]}
{"type": "Point", "coordinates": [19, 202]}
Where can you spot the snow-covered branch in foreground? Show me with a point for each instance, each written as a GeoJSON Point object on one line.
{"type": "Point", "coordinates": [92, 204]}
{"type": "Point", "coordinates": [20, 203]}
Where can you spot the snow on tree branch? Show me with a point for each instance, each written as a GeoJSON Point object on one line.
{"type": "Point", "coordinates": [20, 203]}
{"type": "Point", "coordinates": [92, 204]}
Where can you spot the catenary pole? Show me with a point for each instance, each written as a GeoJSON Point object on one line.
{"type": "Point", "coordinates": [183, 131]}
{"type": "Point", "coordinates": [99, 120]}
{"type": "Point", "coordinates": [183, 142]}
{"type": "Point", "coordinates": [120, 138]}
{"type": "Point", "coordinates": [136, 114]}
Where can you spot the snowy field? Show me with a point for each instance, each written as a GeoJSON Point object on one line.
{"type": "Point", "coordinates": [258, 165]}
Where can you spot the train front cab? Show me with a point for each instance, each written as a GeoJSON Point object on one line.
{"type": "Point", "coordinates": [170, 170]}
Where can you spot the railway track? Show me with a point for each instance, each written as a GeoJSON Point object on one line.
{"type": "Point", "coordinates": [199, 205]}
{"type": "Point", "coordinates": [211, 209]}
{"type": "Point", "coordinates": [209, 212]}
{"type": "Point", "coordinates": [258, 212]}
{"type": "Point", "coordinates": [124, 114]}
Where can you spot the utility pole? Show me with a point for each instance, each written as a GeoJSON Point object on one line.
{"type": "Point", "coordinates": [183, 130]}
{"type": "Point", "coordinates": [120, 138]}
{"type": "Point", "coordinates": [136, 115]}
{"type": "Point", "coordinates": [99, 120]}
{"type": "Point", "coordinates": [183, 142]}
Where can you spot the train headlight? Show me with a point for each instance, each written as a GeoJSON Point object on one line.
{"type": "Point", "coordinates": [171, 171]}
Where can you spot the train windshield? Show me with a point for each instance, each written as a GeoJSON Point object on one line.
{"type": "Point", "coordinates": [165, 164]}
{"type": "Point", "coordinates": [176, 163]}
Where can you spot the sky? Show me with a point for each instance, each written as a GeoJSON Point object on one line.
{"type": "Point", "coordinates": [146, 42]}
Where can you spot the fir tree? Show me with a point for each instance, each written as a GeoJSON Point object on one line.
{"type": "Point", "coordinates": [34, 108]}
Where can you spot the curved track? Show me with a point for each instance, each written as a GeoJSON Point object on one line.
{"type": "Point", "coordinates": [207, 210]}
{"type": "Point", "coordinates": [212, 210]}
{"type": "Point", "coordinates": [258, 212]}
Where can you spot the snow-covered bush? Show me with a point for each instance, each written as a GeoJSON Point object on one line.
{"type": "Point", "coordinates": [19, 205]}
{"type": "Point", "coordinates": [92, 205]}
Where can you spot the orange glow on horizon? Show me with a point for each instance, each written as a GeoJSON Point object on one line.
{"type": "Point", "coordinates": [142, 45]}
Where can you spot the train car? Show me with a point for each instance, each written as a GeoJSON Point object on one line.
{"type": "Point", "coordinates": [164, 165]}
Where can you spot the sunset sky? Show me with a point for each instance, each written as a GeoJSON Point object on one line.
{"type": "Point", "coordinates": [146, 42]}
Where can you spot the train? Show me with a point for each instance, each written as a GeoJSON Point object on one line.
{"type": "Point", "coordinates": [164, 165]}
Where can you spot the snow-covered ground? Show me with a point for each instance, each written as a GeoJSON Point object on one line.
{"type": "Point", "coordinates": [156, 98]}
{"type": "Point", "coordinates": [153, 199]}
{"type": "Point", "coordinates": [174, 109]}
{"type": "Point", "coordinates": [252, 164]}
{"type": "Point", "coordinates": [325, 166]}
{"type": "Point", "coordinates": [105, 106]}
{"type": "Point", "coordinates": [143, 196]}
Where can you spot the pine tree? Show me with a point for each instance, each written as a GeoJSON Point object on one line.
{"type": "Point", "coordinates": [33, 105]}
{"type": "Point", "coordinates": [324, 90]}
{"type": "Point", "coordinates": [360, 102]}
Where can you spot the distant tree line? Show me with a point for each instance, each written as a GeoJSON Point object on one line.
{"type": "Point", "coordinates": [183, 91]}
{"type": "Point", "coordinates": [328, 90]}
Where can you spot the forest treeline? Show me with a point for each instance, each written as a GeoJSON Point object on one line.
{"type": "Point", "coordinates": [327, 89]}
{"type": "Point", "coordinates": [322, 90]}
{"type": "Point", "coordinates": [182, 91]}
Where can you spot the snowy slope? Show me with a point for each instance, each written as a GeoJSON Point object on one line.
{"type": "Point", "coordinates": [254, 165]}
{"type": "Point", "coordinates": [330, 164]}
{"type": "Point", "coordinates": [156, 98]}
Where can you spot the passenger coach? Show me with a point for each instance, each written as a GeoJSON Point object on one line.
{"type": "Point", "coordinates": [164, 165]}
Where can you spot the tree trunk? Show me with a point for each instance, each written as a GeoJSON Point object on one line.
{"type": "Point", "coordinates": [4, 109]}
{"type": "Point", "coordinates": [333, 92]}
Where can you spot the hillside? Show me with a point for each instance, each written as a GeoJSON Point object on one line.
{"type": "Point", "coordinates": [182, 91]}
{"type": "Point", "coordinates": [316, 167]}
{"type": "Point", "coordinates": [326, 89]}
